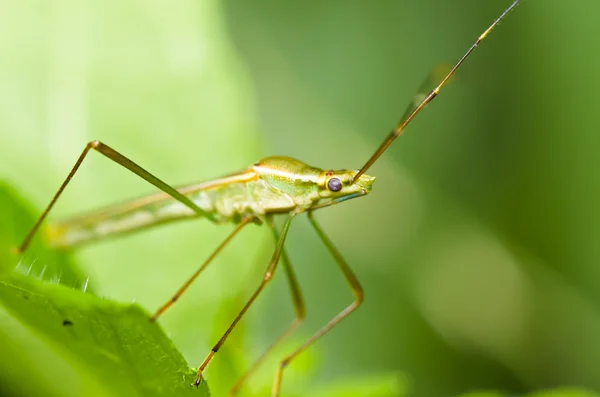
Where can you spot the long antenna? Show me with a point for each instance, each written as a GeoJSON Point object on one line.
{"type": "Point", "coordinates": [397, 131]}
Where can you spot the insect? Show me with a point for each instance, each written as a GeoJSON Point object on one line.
{"type": "Point", "coordinates": [273, 186]}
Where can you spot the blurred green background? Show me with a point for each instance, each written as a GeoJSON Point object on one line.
{"type": "Point", "coordinates": [477, 248]}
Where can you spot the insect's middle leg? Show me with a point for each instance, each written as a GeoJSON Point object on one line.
{"type": "Point", "coordinates": [358, 299]}
{"type": "Point", "coordinates": [299, 309]}
{"type": "Point", "coordinates": [266, 278]}
{"type": "Point", "coordinates": [208, 260]}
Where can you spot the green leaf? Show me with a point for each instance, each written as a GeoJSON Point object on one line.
{"type": "Point", "coordinates": [560, 392]}
{"type": "Point", "coordinates": [483, 394]}
{"type": "Point", "coordinates": [386, 385]}
{"type": "Point", "coordinates": [66, 342]}
{"type": "Point", "coordinates": [60, 341]}
{"type": "Point", "coordinates": [564, 392]}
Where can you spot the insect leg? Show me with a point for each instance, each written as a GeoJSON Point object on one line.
{"type": "Point", "coordinates": [118, 158]}
{"type": "Point", "coordinates": [356, 290]}
{"type": "Point", "coordinates": [299, 308]}
{"type": "Point", "coordinates": [266, 278]}
{"type": "Point", "coordinates": [189, 282]}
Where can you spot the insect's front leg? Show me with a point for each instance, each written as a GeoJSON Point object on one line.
{"type": "Point", "coordinates": [358, 299]}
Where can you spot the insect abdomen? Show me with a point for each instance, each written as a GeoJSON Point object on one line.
{"type": "Point", "coordinates": [227, 200]}
{"type": "Point", "coordinates": [123, 218]}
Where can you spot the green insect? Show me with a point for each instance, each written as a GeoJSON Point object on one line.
{"type": "Point", "coordinates": [273, 186]}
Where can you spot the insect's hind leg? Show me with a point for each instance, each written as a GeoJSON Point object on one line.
{"type": "Point", "coordinates": [268, 275]}
{"type": "Point", "coordinates": [299, 309]}
{"type": "Point", "coordinates": [358, 299]}
{"type": "Point", "coordinates": [118, 158]}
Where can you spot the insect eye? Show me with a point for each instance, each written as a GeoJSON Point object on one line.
{"type": "Point", "coordinates": [334, 184]}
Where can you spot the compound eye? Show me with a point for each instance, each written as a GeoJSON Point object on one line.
{"type": "Point", "coordinates": [334, 184]}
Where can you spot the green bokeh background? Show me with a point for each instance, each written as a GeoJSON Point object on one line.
{"type": "Point", "coordinates": [478, 246]}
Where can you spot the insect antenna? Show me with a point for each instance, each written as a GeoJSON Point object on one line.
{"type": "Point", "coordinates": [416, 106]}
